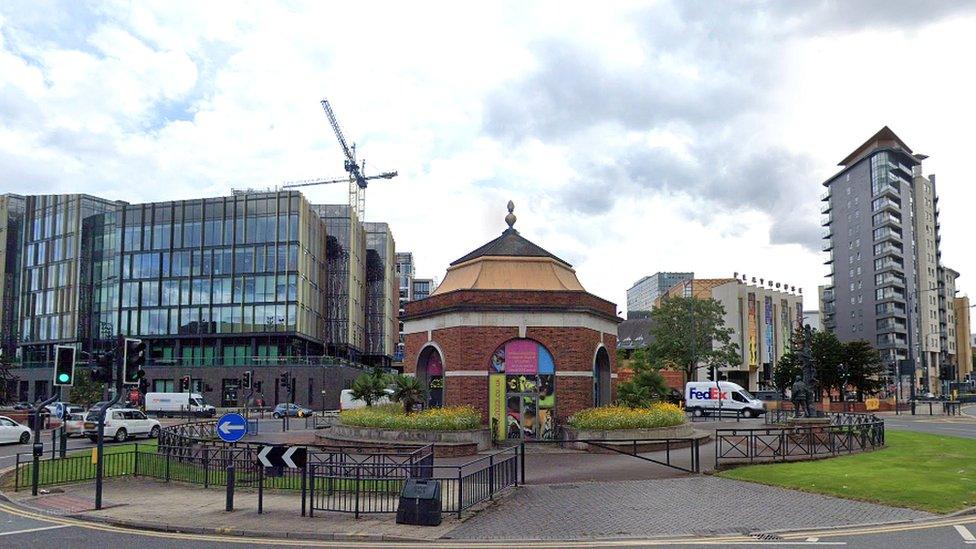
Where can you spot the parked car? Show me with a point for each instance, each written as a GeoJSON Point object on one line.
{"type": "Point", "coordinates": [122, 423]}
{"type": "Point", "coordinates": [11, 431]}
{"type": "Point", "coordinates": [68, 408]}
{"type": "Point", "coordinates": [23, 405]}
{"type": "Point", "coordinates": [290, 410]}
{"type": "Point", "coordinates": [74, 424]}
{"type": "Point", "coordinates": [348, 402]}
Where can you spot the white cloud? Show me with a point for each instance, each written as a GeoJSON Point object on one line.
{"type": "Point", "coordinates": [651, 137]}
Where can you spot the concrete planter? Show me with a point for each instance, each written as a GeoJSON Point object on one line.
{"type": "Point", "coordinates": [467, 442]}
{"type": "Point", "coordinates": [684, 430]}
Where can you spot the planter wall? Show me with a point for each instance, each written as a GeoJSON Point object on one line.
{"type": "Point", "coordinates": [684, 430]}
{"type": "Point", "coordinates": [445, 442]}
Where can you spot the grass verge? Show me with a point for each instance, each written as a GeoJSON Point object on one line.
{"type": "Point", "coordinates": [915, 470]}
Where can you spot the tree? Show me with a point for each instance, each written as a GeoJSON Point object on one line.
{"type": "Point", "coordinates": [646, 386]}
{"type": "Point", "coordinates": [828, 361]}
{"type": "Point", "coordinates": [691, 333]}
{"type": "Point", "coordinates": [864, 367]}
{"type": "Point", "coordinates": [408, 391]}
{"type": "Point", "coordinates": [787, 370]}
{"type": "Point", "coordinates": [85, 392]}
{"type": "Point", "coordinates": [369, 386]}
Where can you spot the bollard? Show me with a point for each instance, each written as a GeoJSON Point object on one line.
{"type": "Point", "coordinates": [230, 487]}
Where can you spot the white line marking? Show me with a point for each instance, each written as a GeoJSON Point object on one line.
{"type": "Point", "coordinates": [813, 540]}
{"type": "Point", "coordinates": [39, 529]}
{"type": "Point", "coordinates": [965, 533]}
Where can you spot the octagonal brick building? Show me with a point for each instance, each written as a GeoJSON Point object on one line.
{"type": "Point", "coordinates": [512, 332]}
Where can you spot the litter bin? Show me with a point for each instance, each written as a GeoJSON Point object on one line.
{"type": "Point", "coordinates": [420, 503]}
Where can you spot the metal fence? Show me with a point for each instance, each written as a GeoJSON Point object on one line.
{"type": "Point", "coordinates": [846, 434]}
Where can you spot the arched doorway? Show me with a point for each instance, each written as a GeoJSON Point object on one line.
{"type": "Point", "coordinates": [430, 374]}
{"type": "Point", "coordinates": [522, 391]}
{"type": "Point", "coordinates": [601, 378]}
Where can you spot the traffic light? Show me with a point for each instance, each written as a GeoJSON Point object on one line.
{"type": "Point", "coordinates": [133, 358]}
{"type": "Point", "coordinates": [246, 383]}
{"type": "Point", "coordinates": [64, 365]}
{"type": "Point", "coordinates": [102, 372]}
{"type": "Point", "coordinates": [184, 384]}
{"type": "Point", "coordinates": [284, 380]}
{"type": "Point", "coordinates": [711, 373]}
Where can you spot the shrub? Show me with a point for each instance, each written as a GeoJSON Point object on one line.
{"type": "Point", "coordinates": [622, 417]}
{"type": "Point", "coordinates": [392, 416]}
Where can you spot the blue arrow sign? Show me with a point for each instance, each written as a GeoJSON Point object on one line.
{"type": "Point", "coordinates": [231, 427]}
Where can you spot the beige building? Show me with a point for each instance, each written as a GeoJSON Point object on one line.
{"type": "Point", "coordinates": [762, 315]}
{"type": "Point", "coordinates": [931, 347]}
{"type": "Point", "coordinates": [964, 354]}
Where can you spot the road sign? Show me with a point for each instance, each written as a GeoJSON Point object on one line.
{"type": "Point", "coordinates": [283, 456]}
{"type": "Point", "coordinates": [59, 410]}
{"type": "Point", "coordinates": [231, 427]}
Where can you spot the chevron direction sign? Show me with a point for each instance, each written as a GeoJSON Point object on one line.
{"type": "Point", "coordinates": [283, 456]}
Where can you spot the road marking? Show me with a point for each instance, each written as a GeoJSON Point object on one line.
{"type": "Point", "coordinates": [965, 533]}
{"type": "Point", "coordinates": [813, 540]}
{"type": "Point", "coordinates": [38, 529]}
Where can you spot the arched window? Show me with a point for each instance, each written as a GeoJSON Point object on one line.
{"type": "Point", "coordinates": [430, 373]}
{"type": "Point", "coordinates": [522, 390]}
{"type": "Point", "coordinates": [601, 378]}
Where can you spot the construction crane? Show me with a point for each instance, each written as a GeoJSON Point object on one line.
{"type": "Point", "coordinates": [357, 181]}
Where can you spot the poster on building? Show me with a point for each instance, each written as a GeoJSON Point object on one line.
{"type": "Point", "coordinates": [496, 404]}
{"type": "Point", "coordinates": [753, 329]}
{"type": "Point", "coordinates": [522, 357]}
{"type": "Point", "coordinates": [784, 313]}
{"type": "Point", "coordinates": [770, 343]}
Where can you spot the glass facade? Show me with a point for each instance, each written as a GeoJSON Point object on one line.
{"type": "Point", "coordinates": [212, 281]}
{"type": "Point", "coordinates": [50, 293]}
{"type": "Point", "coordinates": [345, 330]}
{"type": "Point", "coordinates": [11, 232]}
{"type": "Point", "coordinates": [382, 294]}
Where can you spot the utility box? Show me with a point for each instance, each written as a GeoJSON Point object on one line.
{"type": "Point", "coordinates": [420, 502]}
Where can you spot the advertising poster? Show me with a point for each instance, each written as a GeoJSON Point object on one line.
{"type": "Point", "coordinates": [770, 344]}
{"type": "Point", "coordinates": [546, 366]}
{"type": "Point", "coordinates": [435, 366]}
{"type": "Point", "coordinates": [521, 357]}
{"type": "Point", "coordinates": [496, 404]}
{"type": "Point", "coordinates": [753, 328]}
{"type": "Point", "coordinates": [784, 313]}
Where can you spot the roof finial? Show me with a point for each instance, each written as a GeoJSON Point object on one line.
{"type": "Point", "coordinates": [510, 218]}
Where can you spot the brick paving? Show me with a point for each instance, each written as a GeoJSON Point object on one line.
{"type": "Point", "coordinates": [62, 504]}
{"type": "Point", "coordinates": [665, 507]}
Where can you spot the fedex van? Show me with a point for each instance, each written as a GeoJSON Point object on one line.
{"type": "Point", "coordinates": [710, 397]}
{"type": "Point", "coordinates": [175, 404]}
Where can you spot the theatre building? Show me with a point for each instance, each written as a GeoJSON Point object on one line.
{"type": "Point", "coordinates": [513, 333]}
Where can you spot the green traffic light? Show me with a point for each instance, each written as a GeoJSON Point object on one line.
{"type": "Point", "coordinates": [63, 377]}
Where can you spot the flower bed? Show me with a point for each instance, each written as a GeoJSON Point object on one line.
{"type": "Point", "coordinates": [391, 416]}
{"type": "Point", "coordinates": [610, 418]}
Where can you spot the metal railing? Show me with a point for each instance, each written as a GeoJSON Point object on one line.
{"type": "Point", "coordinates": [202, 362]}
{"type": "Point", "coordinates": [844, 435]}
{"type": "Point", "coordinates": [778, 417]}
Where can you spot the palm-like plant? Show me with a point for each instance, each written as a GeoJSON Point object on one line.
{"type": "Point", "coordinates": [369, 387]}
{"type": "Point", "coordinates": [408, 391]}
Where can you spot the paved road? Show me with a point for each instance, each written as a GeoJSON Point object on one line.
{"type": "Point", "coordinates": [959, 426]}
{"type": "Point", "coordinates": [26, 529]}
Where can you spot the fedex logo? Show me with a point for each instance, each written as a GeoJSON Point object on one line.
{"type": "Point", "coordinates": [711, 394]}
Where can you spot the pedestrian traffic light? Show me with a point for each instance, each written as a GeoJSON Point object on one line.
{"type": "Point", "coordinates": [64, 365]}
{"type": "Point", "coordinates": [184, 384]}
{"type": "Point", "coordinates": [133, 358]}
{"type": "Point", "coordinates": [711, 373]}
{"type": "Point", "coordinates": [284, 380]}
{"type": "Point", "coordinates": [246, 383]}
{"type": "Point", "coordinates": [257, 386]}
{"type": "Point", "coordinates": [102, 372]}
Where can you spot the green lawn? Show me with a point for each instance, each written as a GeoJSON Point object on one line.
{"type": "Point", "coordinates": [916, 470]}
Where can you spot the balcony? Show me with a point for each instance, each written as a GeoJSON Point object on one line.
{"type": "Point", "coordinates": [827, 245]}
{"type": "Point", "coordinates": [825, 208]}
{"type": "Point", "coordinates": [887, 218]}
{"type": "Point", "coordinates": [825, 195]}
{"type": "Point", "coordinates": [887, 234]}
{"type": "Point", "coordinates": [829, 260]}
{"type": "Point", "coordinates": [827, 233]}
{"type": "Point", "coordinates": [826, 220]}
{"type": "Point", "coordinates": [886, 189]}
{"type": "Point", "coordinates": [907, 170]}
{"type": "Point", "coordinates": [885, 203]}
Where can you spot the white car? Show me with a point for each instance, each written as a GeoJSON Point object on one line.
{"type": "Point", "coordinates": [11, 431]}
{"type": "Point", "coordinates": [121, 424]}
{"type": "Point", "coordinates": [74, 424]}
{"type": "Point", "coordinates": [349, 402]}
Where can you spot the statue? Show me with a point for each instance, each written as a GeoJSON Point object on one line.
{"type": "Point", "coordinates": [803, 388]}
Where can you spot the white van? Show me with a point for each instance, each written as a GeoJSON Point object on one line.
{"type": "Point", "coordinates": [347, 402]}
{"type": "Point", "coordinates": [174, 404]}
{"type": "Point", "coordinates": [709, 397]}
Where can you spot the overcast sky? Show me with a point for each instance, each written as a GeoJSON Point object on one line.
{"type": "Point", "coordinates": [633, 137]}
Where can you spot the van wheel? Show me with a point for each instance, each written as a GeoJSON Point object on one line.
{"type": "Point", "coordinates": [698, 412]}
{"type": "Point", "coordinates": [747, 413]}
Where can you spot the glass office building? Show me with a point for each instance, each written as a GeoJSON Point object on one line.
{"type": "Point", "coordinates": [11, 232]}
{"type": "Point", "coordinates": [51, 291]}
{"type": "Point", "coordinates": [345, 330]}
{"type": "Point", "coordinates": [227, 280]}
{"type": "Point", "coordinates": [382, 295]}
